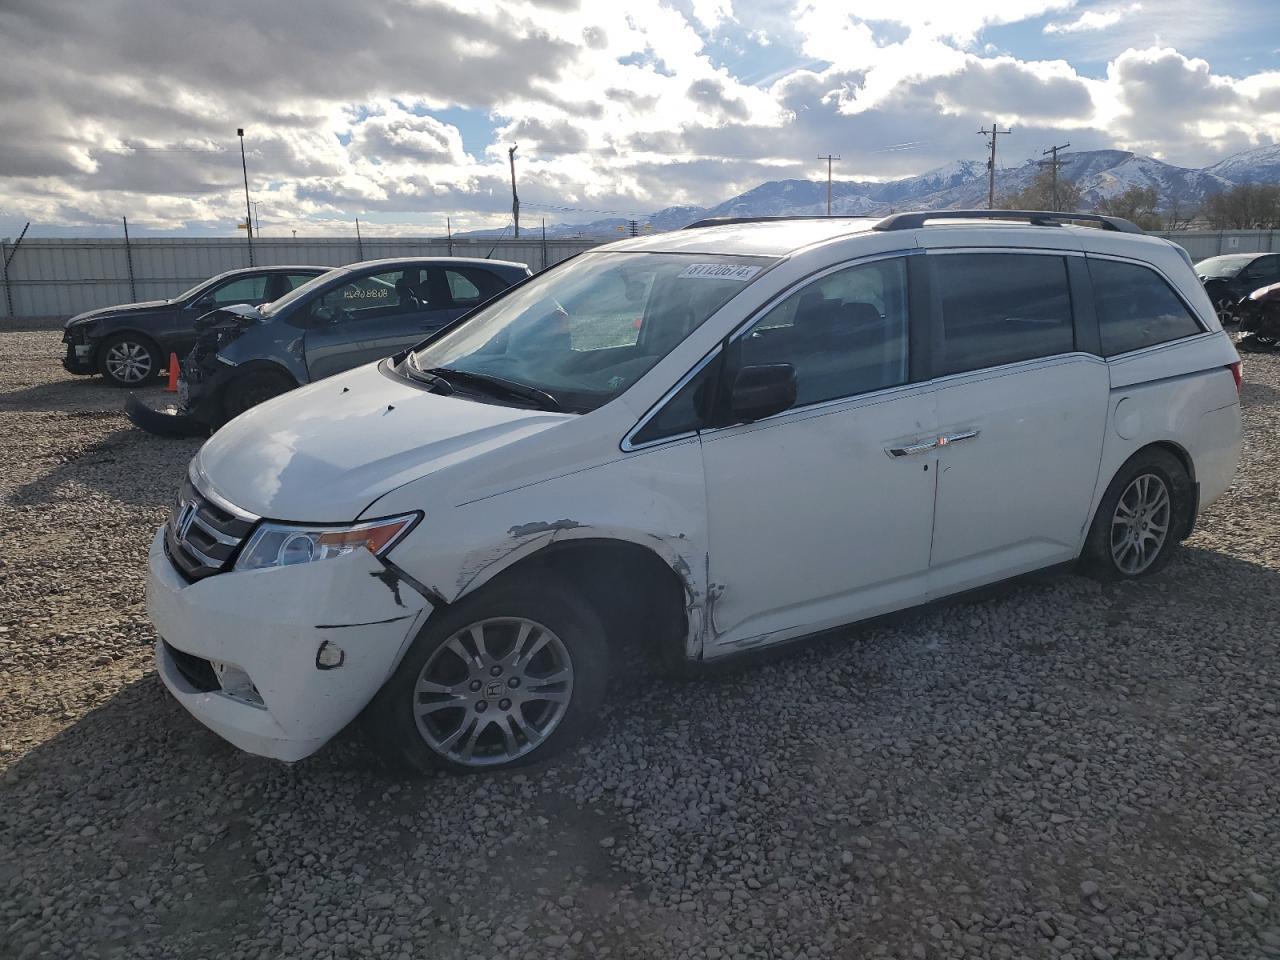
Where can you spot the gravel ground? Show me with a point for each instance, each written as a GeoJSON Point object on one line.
{"type": "Point", "coordinates": [1057, 769]}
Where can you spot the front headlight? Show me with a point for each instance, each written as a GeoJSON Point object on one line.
{"type": "Point", "coordinates": [284, 544]}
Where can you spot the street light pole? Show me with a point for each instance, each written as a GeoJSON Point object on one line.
{"type": "Point", "coordinates": [248, 213]}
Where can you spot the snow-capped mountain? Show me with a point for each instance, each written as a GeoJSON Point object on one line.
{"type": "Point", "coordinates": [1259, 165]}
{"type": "Point", "coordinates": [962, 185]}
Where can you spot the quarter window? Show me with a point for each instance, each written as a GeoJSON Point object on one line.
{"type": "Point", "coordinates": [1136, 307]}
{"type": "Point", "coordinates": [845, 334]}
{"type": "Point", "coordinates": [1000, 308]}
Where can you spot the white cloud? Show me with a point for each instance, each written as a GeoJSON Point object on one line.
{"type": "Point", "coordinates": [1091, 20]}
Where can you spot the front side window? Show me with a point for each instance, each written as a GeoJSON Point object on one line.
{"type": "Point", "coordinates": [586, 330]}
{"type": "Point", "coordinates": [244, 290]}
{"type": "Point", "coordinates": [470, 286]}
{"type": "Point", "coordinates": [1000, 308]}
{"type": "Point", "coordinates": [1136, 307]}
{"type": "Point", "coordinates": [391, 293]}
{"type": "Point", "coordinates": [294, 280]}
{"type": "Point", "coordinates": [844, 334]}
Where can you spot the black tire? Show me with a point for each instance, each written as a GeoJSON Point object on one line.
{"type": "Point", "coordinates": [391, 721]}
{"type": "Point", "coordinates": [252, 388]}
{"type": "Point", "coordinates": [129, 359]}
{"type": "Point", "coordinates": [1099, 557]}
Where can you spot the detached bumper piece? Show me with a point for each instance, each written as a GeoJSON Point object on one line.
{"type": "Point", "coordinates": [165, 422]}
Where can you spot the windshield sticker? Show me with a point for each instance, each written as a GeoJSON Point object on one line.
{"type": "Point", "coordinates": [719, 271]}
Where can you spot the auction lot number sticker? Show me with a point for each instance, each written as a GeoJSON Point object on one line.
{"type": "Point", "coordinates": [720, 271]}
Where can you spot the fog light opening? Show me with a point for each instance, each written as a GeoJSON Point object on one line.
{"type": "Point", "coordinates": [330, 656]}
{"type": "Point", "coordinates": [236, 683]}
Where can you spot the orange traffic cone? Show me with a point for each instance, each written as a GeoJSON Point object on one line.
{"type": "Point", "coordinates": [173, 374]}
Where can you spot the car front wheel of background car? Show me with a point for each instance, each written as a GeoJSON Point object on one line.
{"type": "Point", "coordinates": [252, 388]}
{"type": "Point", "coordinates": [1143, 515]}
{"type": "Point", "coordinates": [504, 677]}
{"type": "Point", "coordinates": [128, 360]}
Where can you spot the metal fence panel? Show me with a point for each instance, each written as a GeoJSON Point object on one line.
{"type": "Point", "coordinates": [62, 277]}
{"type": "Point", "coordinates": [1202, 244]}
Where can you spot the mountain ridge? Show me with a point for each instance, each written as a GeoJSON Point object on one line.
{"type": "Point", "coordinates": [958, 185]}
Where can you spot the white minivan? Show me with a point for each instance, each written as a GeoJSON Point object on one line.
{"type": "Point", "coordinates": [702, 442]}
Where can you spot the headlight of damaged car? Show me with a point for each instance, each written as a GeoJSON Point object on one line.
{"type": "Point", "coordinates": [284, 544]}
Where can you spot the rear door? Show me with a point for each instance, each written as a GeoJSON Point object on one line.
{"type": "Point", "coordinates": [1022, 410]}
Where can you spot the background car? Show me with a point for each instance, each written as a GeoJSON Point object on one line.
{"type": "Point", "coordinates": [342, 319]}
{"type": "Point", "coordinates": [130, 343]}
{"type": "Point", "coordinates": [1232, 277]}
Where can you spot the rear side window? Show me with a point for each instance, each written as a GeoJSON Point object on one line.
{"type": "Point", "coordinates": [294, 280]}
{"type": "Point", "coordinates": [1000, 308]}
{"type": "Point", "coordinates": [1136, 307]}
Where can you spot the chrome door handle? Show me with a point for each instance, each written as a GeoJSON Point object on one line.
{"type": "Point", "coordinates": [911, 448]}
{"type": "Point", "coordinates": [957, 437]}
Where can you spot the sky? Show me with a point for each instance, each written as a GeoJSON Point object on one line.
{"type": "Point", "coordinates": [401, 112]}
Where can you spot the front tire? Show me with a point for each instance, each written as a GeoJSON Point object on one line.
{"type": "Point", "coordinates": [1143, 515]}
{"type": "Point", "coordinates": [507, 676]}
{"type": "Point", "coordinates": [129, 360]}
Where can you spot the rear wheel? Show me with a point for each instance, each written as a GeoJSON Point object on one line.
{"type": "Point", "coordinates": [128, 359]}
{"type": "Point", "coordinates": [251, 389]}
{"type": "Point", "coordinates": [1144, 513]}
{"type": "Point", "coordinates": [505, 677]}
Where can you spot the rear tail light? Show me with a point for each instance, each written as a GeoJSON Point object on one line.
{"type": "Point", "coordinates": [1236, 373]}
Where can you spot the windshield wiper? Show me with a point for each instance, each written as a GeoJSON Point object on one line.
{"type": "Point", "coordinates": [525, 392]}
{"type": "Point", "coordinates": [434, 381]}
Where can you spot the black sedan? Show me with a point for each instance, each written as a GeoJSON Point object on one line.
{"type": "Point", "coordinates": [1230, 278]}
{"type": "Point", "coordinates": [130, 343]}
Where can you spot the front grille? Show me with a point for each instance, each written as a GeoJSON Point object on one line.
{"type": "Point", "coordinates": [197, 671]}
{"type": "Point", "coordinates": [201, 537]}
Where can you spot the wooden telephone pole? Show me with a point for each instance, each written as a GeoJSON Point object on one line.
{"type": "Point", "coordinates": [992, 135]}
{"type": "Point", "coordinates": [1053, 165]}
{"type": "Point", "coordinates": [515, 200]}
{"type": "Point", "coordinates": [829, 158]}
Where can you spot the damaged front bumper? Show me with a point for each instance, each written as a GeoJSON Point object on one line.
{"type": "Point", "coordinates": [277, 661]}
{"type": "Point", "coordinates": [167, 421]}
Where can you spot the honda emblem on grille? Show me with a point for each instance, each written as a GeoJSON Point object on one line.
{"type": "Point", "coordinates": [186, 517]}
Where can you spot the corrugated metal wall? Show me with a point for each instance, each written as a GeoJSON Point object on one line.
{"type": "Point", "coordinates": [1209, 243]}
{"type": "Point", "coordinates": [49, 278]}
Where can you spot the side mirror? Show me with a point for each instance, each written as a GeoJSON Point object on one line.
{"type": "Point", "coordinates": [203, 303]}
{"type": "Point", "coordinates": [762, 390]}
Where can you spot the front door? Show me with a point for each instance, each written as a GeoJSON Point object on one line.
{"type": "Point", "coordinates": [822, 514]}
{"type": "Point", "coordinates": [1022, 413]}
{"type": "Point", "coordinates": [348, 325]}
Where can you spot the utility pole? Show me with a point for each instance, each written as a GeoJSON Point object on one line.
{"type": "Point", "coordinates": [248, 213]}
{"type": "Point", "coordinates": [1053, 165]}
{"type": "Point", "coordinates": [359, 242]}
{"type": "Point", "coordinates": [515, 200]}
{"type": "Point", "coordinates": [829, 158]}
{"type": "Point", "coordinates": [992, 135]}
{"type": "Point", "coordinates": [257, 222]}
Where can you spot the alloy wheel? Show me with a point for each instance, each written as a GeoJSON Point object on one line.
{"type": "Point", "coordinates": [1226, 309]}
{"type": "Point", "coordinates": [128, 362]}
{"type": "Point", "coordinates": [493, 691]}
{"type": "Point", "coordinates": [1140, 524]}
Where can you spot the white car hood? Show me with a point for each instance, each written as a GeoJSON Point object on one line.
{"type": "Point", "coordinates": [324, 452]}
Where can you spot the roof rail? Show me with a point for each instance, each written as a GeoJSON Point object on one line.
{"type": "Point", "coordinates": [1040, 218]}
{"type": "Point", "coordinates": [723, 221]}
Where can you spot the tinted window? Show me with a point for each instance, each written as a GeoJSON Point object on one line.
{"type": "Point", "coordinates": [1136, 307]}
{"type": "Point", "coordinates": [683, 413]}
{"type": "Point", "coordinates": [294, 280]}
{"type": "Point", "coordinates": [470, 286]}
{"type": "Point", "coordinates": [1000, 308]}
{"type": "Point", "coordinates": [244, 290]}
{"type": "Point", "coordinates": [1262, 270]}
{"type": "Point", "coordinates": [845, 334]}
{"type": "Point", "coordinates": [392, 293]}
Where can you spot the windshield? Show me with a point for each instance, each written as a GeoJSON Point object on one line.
{"type": "Point", "coordinates": [1222, 267]}
{"type": "Point", "coordinates": [200, 286]}
{"type": "Point", "coordinates": [297, 293]}
{"type": "Point", "coordinates": [584, 331]}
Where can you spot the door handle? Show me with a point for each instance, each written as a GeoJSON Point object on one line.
{"type": "Point", "coordinates": [957, 437]}
{"type": "Point", "coordinates": [912, 448]}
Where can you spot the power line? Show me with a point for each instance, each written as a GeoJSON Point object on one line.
{"type": "Point", "coordinates": [1053, 165]}
{"type": "Point", "coordinates": [992, 135]}
{"type": "Point", "coordinates": [829, 158]}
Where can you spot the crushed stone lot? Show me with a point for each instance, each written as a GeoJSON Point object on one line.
{"type": "Point", "coordinates": [1055, 769]}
